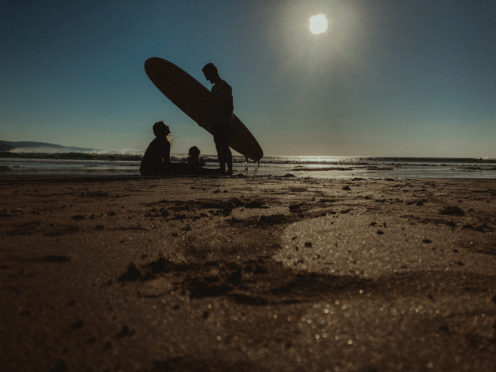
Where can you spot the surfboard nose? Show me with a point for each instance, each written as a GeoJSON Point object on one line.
{"type": "Point", "coordinates": [152, 65]}
{"type": "Point", "coordinates": [151, 61]}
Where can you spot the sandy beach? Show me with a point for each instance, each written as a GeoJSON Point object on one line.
{"type": "Point", "coordinates": [247, 274]}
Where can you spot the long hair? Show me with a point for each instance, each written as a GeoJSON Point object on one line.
{"type": "Point", "coordinates": [161, 130]}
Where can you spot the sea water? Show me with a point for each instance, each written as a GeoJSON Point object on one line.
{"type": "Point", "coordinates": [298, 166]}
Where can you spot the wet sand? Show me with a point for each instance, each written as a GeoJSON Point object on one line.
{"type": "Point", "coordinates": [247, 274]}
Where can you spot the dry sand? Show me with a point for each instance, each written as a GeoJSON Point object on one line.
{"type": "Point", "coordinates": [247, 274]}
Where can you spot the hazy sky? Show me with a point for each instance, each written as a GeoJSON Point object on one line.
{"type": "Point", "coordinates": [389, 77]}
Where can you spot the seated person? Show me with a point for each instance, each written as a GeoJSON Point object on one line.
{"type": "Point", "coordinates": [156, 160]}
{"type": "Point", "coordinates": [194, 157]}
{"type": "Point", "coordinates": [157, 156]}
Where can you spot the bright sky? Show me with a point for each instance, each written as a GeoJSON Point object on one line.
{"type": "Point", "coordinates": [387, 78]}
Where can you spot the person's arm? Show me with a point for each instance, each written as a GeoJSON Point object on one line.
{"type": "Point", "coordinates": [223, 98]}
{"type": "Point", "coordinates": [223, 102]}
{"type": "Point", "coordinates": [145, 160]}
{"type": "Point", "coordinates": [166, 155]}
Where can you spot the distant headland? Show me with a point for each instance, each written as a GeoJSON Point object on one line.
{"type": "Point", "coordinates": [43, 150]}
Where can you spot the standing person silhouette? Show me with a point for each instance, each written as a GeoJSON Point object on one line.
{"type": "Point", "coordinates": [222, 113]}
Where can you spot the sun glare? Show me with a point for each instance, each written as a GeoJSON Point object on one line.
{"type": "Point", "coordinates": [317, 24]}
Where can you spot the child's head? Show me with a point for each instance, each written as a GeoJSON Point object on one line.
{"type": "Point", "coordinates": [160, 129]}
{"type": "Point", "coordinates": [194, 152]}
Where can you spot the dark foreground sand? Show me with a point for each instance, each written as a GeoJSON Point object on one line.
{"type": "Point", "coordinates": [247, 274]}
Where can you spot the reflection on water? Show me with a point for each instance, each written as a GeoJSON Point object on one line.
{"type": "Point", "coordinates": [299, 166]}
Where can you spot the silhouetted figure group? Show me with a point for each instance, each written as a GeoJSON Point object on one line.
{"type": "Point", "coordinates": [156, 160]}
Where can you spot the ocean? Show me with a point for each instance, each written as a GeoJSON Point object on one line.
{"type": "Point", "coordinates": [298, 166]}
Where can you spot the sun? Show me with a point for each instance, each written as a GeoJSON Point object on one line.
{"type": "Point", "coordinates": [317, 24]}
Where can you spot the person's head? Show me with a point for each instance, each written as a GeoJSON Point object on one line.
{"type": "Point", "coordinates": [210, 72]}
{"type": "Point", "coordinates": [194, 152]}
{"type": "Point", "coordinates": [160, 129]}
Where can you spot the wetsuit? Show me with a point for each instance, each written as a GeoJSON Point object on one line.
{"type": "Point", "coordinates": [222, 113]}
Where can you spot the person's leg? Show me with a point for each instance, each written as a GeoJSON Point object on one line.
{"type": "Point", "coordinates": [220, 156]}
{"type": "Point", "coordinates": [228, 156]}
{"type": "Point", "coordinates": [227, 135]}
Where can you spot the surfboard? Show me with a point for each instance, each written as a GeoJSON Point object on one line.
{"type": "Point", "coordinates": [194, 99]}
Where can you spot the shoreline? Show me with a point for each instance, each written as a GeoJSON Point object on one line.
{"type": "Point", "coordinates": [315, 167]}
{"type": "Point", "coordinates": [252, 273]}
